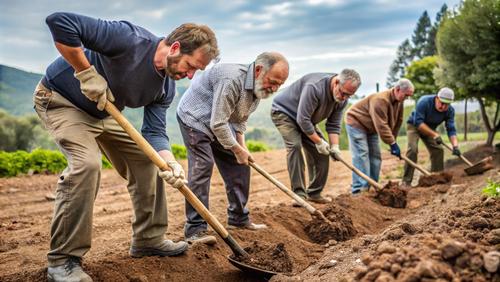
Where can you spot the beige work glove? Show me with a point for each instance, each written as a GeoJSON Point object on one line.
{"type": "Point", "coordinates": [242, 155]}
{"type": "Point", "coordinates": [323, 147]}
{"type": "Point", "coordinates": [94, 87]}
{"type": "Point", "coordinates": [175, 177]}
{"type": "Point", "coordinates": [335, 151]}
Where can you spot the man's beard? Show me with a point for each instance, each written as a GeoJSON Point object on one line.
{"type": "Point", "coordinates": [259, 90]}
{"type": "Point", "coordinates": [171, 67]}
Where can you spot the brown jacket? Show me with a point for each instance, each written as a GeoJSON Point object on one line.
{"type": "Point", "coordinates": [378, 113]}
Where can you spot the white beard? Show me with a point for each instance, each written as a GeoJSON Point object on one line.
{"type": "Point", "coordinates": [259, 92]}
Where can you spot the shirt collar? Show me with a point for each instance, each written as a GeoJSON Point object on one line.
{"type": "Point", "coordinates": [392, 98]}
{"type": "Point", "coordinates": [250, 77]}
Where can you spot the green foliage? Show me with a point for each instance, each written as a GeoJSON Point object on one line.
{"type": "Point", "coordinates": [256, 146]}
{"type": "Point", "coordinates": [421, 74]}
{"type": "Point", "coordinates": [106, 163]}
{"type": "Point", "coordinates": [16, 89]}
{"type": "Point", "coordinates": [179, 151]}
{"type": "Point", "coordinates": [420, 35]}
{"type": "Point", "coordinates": [404, 56]}
{"type": "Point", "coordinates": [492, 189]}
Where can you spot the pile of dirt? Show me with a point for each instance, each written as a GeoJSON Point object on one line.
{"type": "Point", "coordinates": [475, 155]}
{"type": "Point", "coordinates": [392, 196]}
{"type": "Point", "coordinates": [435, 178]}
{"type": "Point", "coordinates": [464, 244]}
{"type": "Point", "coordinates": [340, 227]}
{"type": "Point", "coordinates": [271, 257]}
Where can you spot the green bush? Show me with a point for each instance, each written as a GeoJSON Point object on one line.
{"type": "Point", "coordinates": [256, 146]}
{"type": "Point", "coordinates": [492, 189]}
{"type": "Point", "coordinates": [179, 151]}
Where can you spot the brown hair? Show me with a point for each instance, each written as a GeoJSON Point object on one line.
{"type": "Point", "coordinates": [192, 36]}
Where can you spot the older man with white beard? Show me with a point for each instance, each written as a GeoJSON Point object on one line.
{"type": "Point", "coordinates": [212, 117]}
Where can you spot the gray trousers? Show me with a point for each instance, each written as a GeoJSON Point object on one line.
{"type": "Point", "coordinates": [435, 150]}
{"type": "Point", "coordinates": [202, 154]}
{"type": "Point", "coordinates": [81, 138]}
{"type": "Point", "coordinates": [295, 140]}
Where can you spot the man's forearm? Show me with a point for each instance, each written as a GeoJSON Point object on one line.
{"type": "Point", "coordinates": [167, 155]}
{"type": "Point", "coordinates": [334, 138]}
{"type": "Point", "coordinates": [240, 138]}
{"type": "Point", "coordinates": [454, 140]}
{"type": "Point", "coordinates": [314, 137]}
{"type": "Point", "coordinates": [427, 131]}
{"type": "Point", "coordinates": [74, 56]}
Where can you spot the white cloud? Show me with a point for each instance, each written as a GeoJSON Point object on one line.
{"type": "Point", "coordinates": [325, 2]}
{"type": "Point", "coordinates": [360, 52]}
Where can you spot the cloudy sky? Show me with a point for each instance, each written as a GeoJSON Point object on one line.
{"type": "Point", "coordinates": [315, 35]}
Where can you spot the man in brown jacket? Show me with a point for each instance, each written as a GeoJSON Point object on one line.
{"type": "Point", "coordinates": [379, 114]}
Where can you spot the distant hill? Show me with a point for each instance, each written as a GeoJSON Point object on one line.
{"type": "Point", "coordinates": [16, 90]}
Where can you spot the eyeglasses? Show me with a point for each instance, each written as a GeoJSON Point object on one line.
{"type": "Point", "coordinates": [344, 94]}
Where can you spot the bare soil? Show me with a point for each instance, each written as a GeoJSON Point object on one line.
{"type": "Point", "coordinates": [435, 178]}
{"type": "Point", "coordinates": [454, 211]}
{"type": "Point", "coordinates": [268, 257]}
{"type": "Point", "coordinates": [392, 196]}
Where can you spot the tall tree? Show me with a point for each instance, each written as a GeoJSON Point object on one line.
{"type": "Point", "coordinates": [430, 47]}
{"type": "Point", "coordinates": [421, 73]}
{"type": "Point", "coordinates": [421, 35]}
{"type": "Point", "coordinates": [404, 57]}
{"type": "Point", "coordinates": [468, 43]}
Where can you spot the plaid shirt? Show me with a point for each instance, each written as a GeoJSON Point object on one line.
{"type": "Point", "coordinates": [219, 102]}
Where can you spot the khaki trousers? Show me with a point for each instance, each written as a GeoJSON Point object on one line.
{"type": "Point", "coordinates": [435, 150]}
{"type": "Point", "coordinates": [82, 138]}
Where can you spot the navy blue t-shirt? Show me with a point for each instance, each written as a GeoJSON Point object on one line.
{"type": "Point", "coordinates": [123, 54]}
{"type": "Point", "coordinates": [425, 112]}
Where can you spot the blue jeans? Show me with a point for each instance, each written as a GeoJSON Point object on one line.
{"type": "Point", "coordinates": [365, 151]}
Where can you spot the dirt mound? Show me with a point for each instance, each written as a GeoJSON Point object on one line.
{"type": "Point", "coordinates": [272, 257]}
{"type": "Point", "coordinates": [476, 155]}
{"type": "Point", "coordinates": [462, 245]}
{"type": "Point", "coordinates": [435, 178]}
{"type": "Point", "coordinates": [392, 196]}
{"type": "Point", "coordinates": [340, 227]}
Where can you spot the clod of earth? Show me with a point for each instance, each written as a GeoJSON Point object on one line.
{"type": "Point", "coordinates": [340, 227]}
{"type": "Point", "coordinates": [271, 257]}
{"type": "Point", "coordinates": [435, 178]}
{"type": "Point", "coordinates": [392, 196]}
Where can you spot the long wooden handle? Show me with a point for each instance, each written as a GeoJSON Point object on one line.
{"type": "Point", "coordinates": [461, 156]}
{"type": "Point", "coordinates": [188, 194]}
{"type": "Point", "coordinates": [283, 188]}
{"type": "Point", "coordinates": [415, 165]}
{"type": "Point", "coordinates": [372, 182]}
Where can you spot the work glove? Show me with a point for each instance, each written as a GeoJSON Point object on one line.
{"type": "Point", "coordinates": [242, 155]}
{"type": "Point", "coordinates": [94, 87]}
{"type": "Point", "coordinates": [438, 140]}
{"type": "Point", "coordinates": [323, 147]}
{"type": "Point", "coordinates": [335, 151]}
{"type": "Point", "coordinates": [395, 150]}
{"type": "Point", "coordinates": [175, 177]}
{"type": "Point", "coordinates": [456, 151]}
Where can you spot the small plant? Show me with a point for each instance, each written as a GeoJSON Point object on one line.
{"type": "Point", "coordinates": [256, 146]}
{"type": "Point", "coordinates": [179, 151]}
{"type": "Point", "coordinates": [492, 189]}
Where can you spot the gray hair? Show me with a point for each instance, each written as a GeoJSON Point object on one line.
{"type": "Point", "coordinates": [404, 84]}
{"type": "Point", "coordinates": [350, 75]}
{"type": "Point", "coordinates": [268, 59]}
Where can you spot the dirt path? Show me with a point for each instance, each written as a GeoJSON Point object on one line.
{"type": "Point", "coordinates": [26, 213]}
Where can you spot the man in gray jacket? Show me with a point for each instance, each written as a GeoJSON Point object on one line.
{"type": "Point", "coordinates": [212, 117]}
{"type": "Point", "coordinates": [296, 112]}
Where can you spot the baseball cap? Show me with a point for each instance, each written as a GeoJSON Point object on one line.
{"type": "Point", "coordinates": [446, 95]}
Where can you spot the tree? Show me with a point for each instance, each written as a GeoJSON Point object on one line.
{"type": "Point", "coordinates": [421, 74]}
{"type": "Point", "coordinates": [468, 43]}
{"type": "Point", "coordinates": [430, 47]}
{"type": "Point", "coordinates": [421, 35]}
{"type": "Point", "coordinates": [403, 58]}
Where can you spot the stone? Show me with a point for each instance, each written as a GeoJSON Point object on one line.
{"type": "Point", "coordinates": [491, 261]}
{"type": "Point", "coordinates": [395, 268]}
{"type": "Point", "coordinates": [478, 222]}
{"type": "Point", "coordinates": [452, 249]}
{"type": "Point", "coordinates": [493, 237]}
{"type": "Point", "coordinates": [386, 248]}
{"type": "Point", "coordinates": [329, 264]}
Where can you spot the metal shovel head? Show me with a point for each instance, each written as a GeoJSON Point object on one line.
{"type": "Point", "coordinates": [481, 166]}
{"type": "Point", "coordinates": [252, 270]}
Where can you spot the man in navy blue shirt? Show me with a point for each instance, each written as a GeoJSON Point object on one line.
{"type": "Point", "coordinates": [429, 113]}
{"type": "Point", "coordinates": [126, 64]}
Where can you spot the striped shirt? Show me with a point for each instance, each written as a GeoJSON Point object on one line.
{"type": "Point", "coordinates": [219, 101]}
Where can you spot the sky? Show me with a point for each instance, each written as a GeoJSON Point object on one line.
{"type": "Point", "coordinates": [314, 35]}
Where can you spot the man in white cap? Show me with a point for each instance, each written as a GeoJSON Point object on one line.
{"type": "Point", "coordinates": [430, 112]}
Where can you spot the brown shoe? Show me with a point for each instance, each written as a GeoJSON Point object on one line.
{"type": "Point", "coordinates": [320, 199]}
{"type": "Point", "coordinates": [249, 226]}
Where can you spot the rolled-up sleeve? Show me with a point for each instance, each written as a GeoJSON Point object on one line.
{"type": "Point", "coordinates": [224, 103]}
{"type": "Point", "coordinates": [307, 105]}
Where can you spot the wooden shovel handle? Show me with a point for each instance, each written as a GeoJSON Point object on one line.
{"type": "Point", "coordinates": [283, 188]}
{"type": "Point", "coordinates": [160, 162]}
{"type": "Point", "coordinates": [415, 165]}
{"type": "Point", "coordinates": [461, 156]}
{"type": "Point", "coordinates": [372, 182]}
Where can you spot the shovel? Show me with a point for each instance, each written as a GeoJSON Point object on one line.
{"type": "Point", "coordinates": [188, 194]}
{"type": "Point", "coordinates": [312, 210]}
{"type": "Point", "coordinates": [415, 165]}
{"type": "Point", "coordinates": [372, 182]}
{"type": "Point", "coordinates": [478, 168]}
{"type": "Point", "coordinates": [429, 179]}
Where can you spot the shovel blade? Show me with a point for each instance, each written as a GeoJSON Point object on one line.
{"type": "Point", "coordinates": [481, 166]}
{"type": "Point", "coordinates": [252, 270]}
